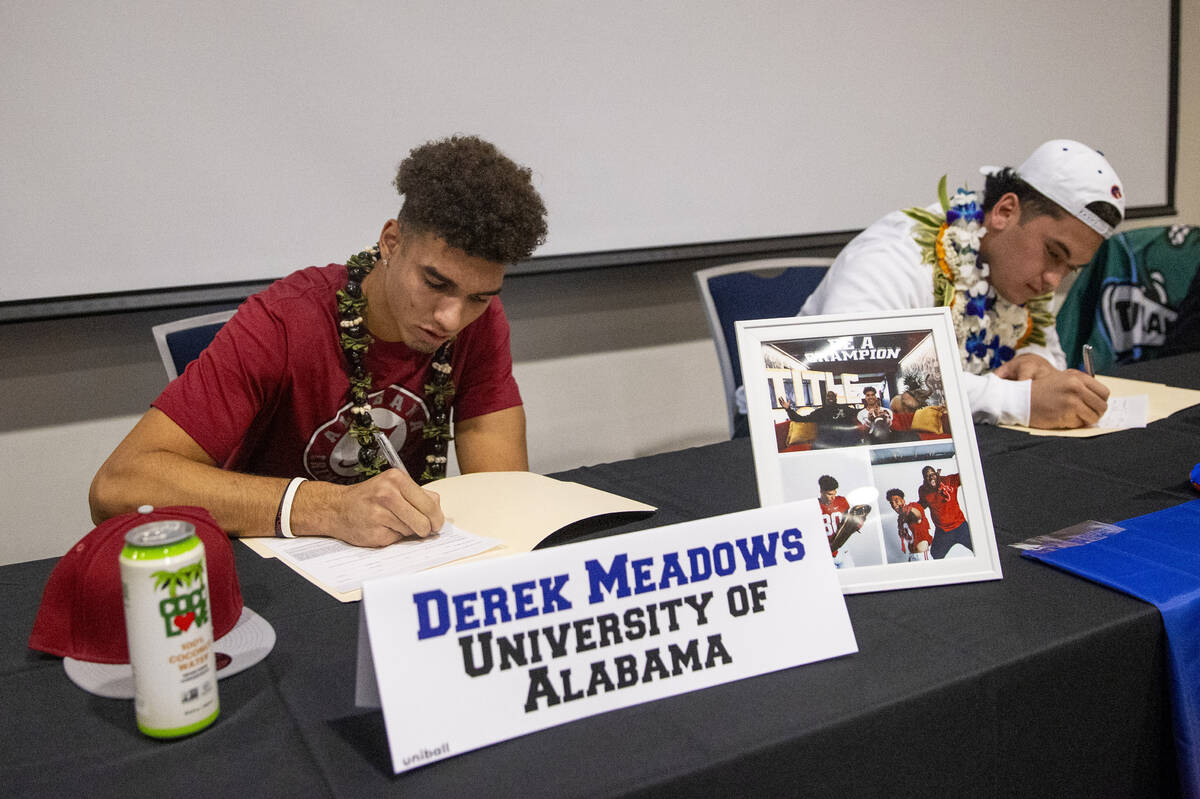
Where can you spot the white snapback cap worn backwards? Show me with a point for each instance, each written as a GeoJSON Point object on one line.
{"type": "Point", "coordinates": [1073, 175]}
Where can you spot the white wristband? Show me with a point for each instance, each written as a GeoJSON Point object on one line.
{"type": "Point", "coordinates": [283, 519]}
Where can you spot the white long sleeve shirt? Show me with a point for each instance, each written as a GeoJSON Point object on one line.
{"type": "Point", "coordinates": [881, 269]}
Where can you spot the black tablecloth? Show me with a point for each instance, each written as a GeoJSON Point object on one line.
{"type": "Point", "coordinates": [1038, 684]}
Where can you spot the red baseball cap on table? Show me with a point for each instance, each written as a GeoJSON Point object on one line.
{"type": "Point", "coordinates": [82, 615]}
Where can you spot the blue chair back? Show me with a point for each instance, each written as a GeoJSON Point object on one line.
{"type": "Point", "coordinates": [761, 289]}
{"type": "Point", "coordinates": [182, 341]}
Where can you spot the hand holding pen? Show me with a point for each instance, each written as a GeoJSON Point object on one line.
{"type": "Point", "coordinates": [382, 510]}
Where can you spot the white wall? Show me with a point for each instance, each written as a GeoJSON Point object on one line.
{"type": "Point", "coordinates": [613, 364]}
{"type": "Point", "coordinates": [243, 141]}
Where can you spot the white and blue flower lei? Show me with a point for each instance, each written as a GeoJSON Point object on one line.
{"type": "Point", "coordinates": [989, 328]}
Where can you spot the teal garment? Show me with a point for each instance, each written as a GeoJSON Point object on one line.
{"type": "Point", "coordinates": [1126, 303]}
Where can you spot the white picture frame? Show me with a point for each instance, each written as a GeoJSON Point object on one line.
{"type": "Point", "coordinates": [808, 384]}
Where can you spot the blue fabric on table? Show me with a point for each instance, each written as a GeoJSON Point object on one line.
{"type": "Point", "coordinates": [1157, 558]}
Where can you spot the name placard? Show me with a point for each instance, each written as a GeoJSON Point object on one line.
{"type": "Point", "coordinates": [536, 640]}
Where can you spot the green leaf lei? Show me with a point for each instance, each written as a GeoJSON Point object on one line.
{"type": "Point", "coordinates": [356, 342]}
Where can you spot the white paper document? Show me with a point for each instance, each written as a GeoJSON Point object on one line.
{"type": "Point", "coordinates": [1126, 412]}
{"type": "Point", "coordinates": [1137, 402]}
{"type": "Point", "coordinates": [514, 510]}
{"type": "Point", "coordinates": [343, 567]}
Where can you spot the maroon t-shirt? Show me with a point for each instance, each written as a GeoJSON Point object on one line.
{"type": "Point", "coordinates": [269, 395]}
{"type": "Point", "coordinates": [943, 502]}
{"type": "Point", "coordinates": [912, 533]}
{"type": "Point", "coordinates": [831, 515]}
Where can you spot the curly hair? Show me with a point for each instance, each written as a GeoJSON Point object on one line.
{"type": "Point", "coordinates": [827, 482]}
{"type": "Point", "coordinates": [1033, 202]}
{"type": "Point", "coordinates": [467, 192]}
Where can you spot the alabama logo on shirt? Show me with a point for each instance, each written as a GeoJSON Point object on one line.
{"type": "Point", "coordinates": [332, 452]}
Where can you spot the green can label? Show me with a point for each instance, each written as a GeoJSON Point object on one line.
{"type": "Point", "coordinates": [165, 585]}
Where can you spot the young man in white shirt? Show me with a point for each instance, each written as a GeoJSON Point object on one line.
{"type": "Point", "coordinates": [999, 255]}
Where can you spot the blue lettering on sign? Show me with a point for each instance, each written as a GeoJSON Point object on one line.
{"type": "Point", "coordinates": [793, 545]}
{"type": "Point", "coordinates": [433, 617]}
{"type": "Point", "coordinates": [722, 559]}
{"type": "Point", "coordinates": [438, 612]}
{"type": "Point", "coordinates": [672, 571]}
{"type": "Point", "coordinates": [552, 598]}
{"type": "Point", "coordinates": [473, 609]}
{"type": "Point", "coordinates": [616, 576]}
{"type": "Point", "coordinates": [643, 580]}
{"type": "Point", "coordinates": [523, 592]}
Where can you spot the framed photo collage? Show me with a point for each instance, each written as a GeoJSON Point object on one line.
{"type": "Point", "coordinates": [867, 413]}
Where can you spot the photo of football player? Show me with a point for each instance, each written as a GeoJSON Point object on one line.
{"type": "Point", "coordinates": [841, 520]}
{"type": "Point", "coordinates": [911, 526]}
{"type": "Point", "coordinates": [940, 496]}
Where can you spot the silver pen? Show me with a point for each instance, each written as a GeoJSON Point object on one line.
{"type": "Point", "coordinates": [393, 459]}
{"type": "Point", "coordinates": [389, 452]}
{"type": "Point", "coordinates": [1089, 365]}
